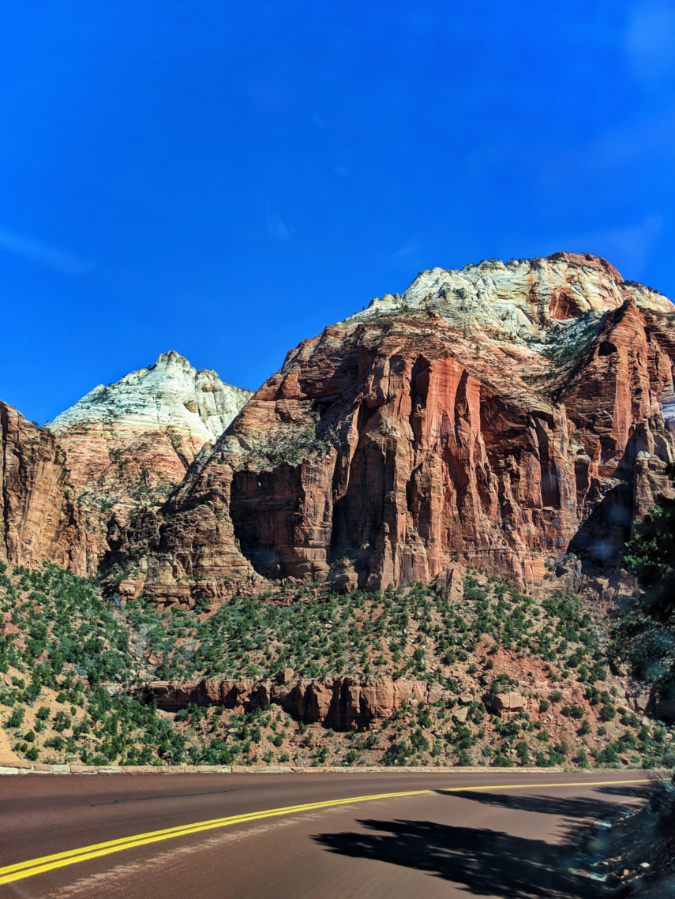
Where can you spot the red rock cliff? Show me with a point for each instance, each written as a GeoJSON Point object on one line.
{"type": "Point", "coordinates": [342, 703]}
{"type": "Point", "coordinates": [500, 415]}
{"type": "Point", "coordinates": [38, 515]}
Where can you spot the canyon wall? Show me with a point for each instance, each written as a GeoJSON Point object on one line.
{"type": "Point", "coordinates": [39, 518]}
{"type": "Point", "coordinates": [502, 416]}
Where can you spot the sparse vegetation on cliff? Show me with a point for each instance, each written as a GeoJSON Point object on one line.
{"type": "Point", "coordinates": [644, 637]}
{"type": "Point", "coordinates": [66, 676]}
{"type": "Point", "coordinates": [72, 664]}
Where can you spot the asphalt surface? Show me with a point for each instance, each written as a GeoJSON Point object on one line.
{"type": "Point", "coordinates": [496, 834]}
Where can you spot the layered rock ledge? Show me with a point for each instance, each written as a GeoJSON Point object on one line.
{"type": "Point", "coordinates": [342, 703]}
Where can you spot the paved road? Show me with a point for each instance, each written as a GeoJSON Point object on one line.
{"type": "Point", "coordinates": [249, 836]}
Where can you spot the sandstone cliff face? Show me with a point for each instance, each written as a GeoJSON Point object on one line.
{"type": "Point", "coordinates": [498, 415]}
{"type": "Point", "coordinates": [618, 401]}
{"type": "Point", "coordinates": [342, 703]}
{"type": "Point", "coordinates": [38, 517]}
{"type": "Point", "coordinates": [128, 444]}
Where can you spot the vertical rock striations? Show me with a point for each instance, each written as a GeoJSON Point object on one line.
{"type": "Point", "coordinates": [38, 516]}
{"type": "Point", "coordinates": [343, 703]}
{"type": "Point", "coordinates": [500, 414]}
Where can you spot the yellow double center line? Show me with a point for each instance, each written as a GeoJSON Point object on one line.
{"type": "Point", "coordinates": [19, 871]}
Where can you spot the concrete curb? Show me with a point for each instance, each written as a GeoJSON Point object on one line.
{"type": "Point", "coordinates": [10, 768]}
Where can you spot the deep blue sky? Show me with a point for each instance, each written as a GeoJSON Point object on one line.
{"type": "Point", "coordinates": [226, 178]}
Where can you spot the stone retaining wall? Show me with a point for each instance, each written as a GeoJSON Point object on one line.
{"type": "Point", "coordinates": [38, 768]}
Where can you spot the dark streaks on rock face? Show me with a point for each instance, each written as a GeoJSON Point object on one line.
{"type": "Point", "coordinates": [498, 415]}
{"type": "Point", "coordinates": [392, 444]}
{"type": "Point", "coordinates": [38, 515]}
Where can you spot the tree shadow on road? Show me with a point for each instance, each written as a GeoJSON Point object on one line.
{"type": "Point", "coordinates": [484, 862]}
{"type": "Point", "coordinates": [641, 791]}
{"type": "Point", "coordinates": [570, 808]}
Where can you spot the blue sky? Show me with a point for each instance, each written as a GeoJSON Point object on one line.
{"type": "Point", "coordinates": [225, 179]}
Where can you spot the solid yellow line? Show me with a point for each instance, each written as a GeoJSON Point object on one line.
{"type": "Point", "coordinates": [583, 783]}
{"type": "Point", "coordinates": [21, 870]}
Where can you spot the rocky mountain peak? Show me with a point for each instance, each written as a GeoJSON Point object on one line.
{"type": "Point", "coordinates": [170, 393]}
{"type": "Point", "coordinates": [522, 299]}
{"type": "Point", "coordinates": [171, 357]}
{"type": "Point", "coordinates": [128, 444]}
